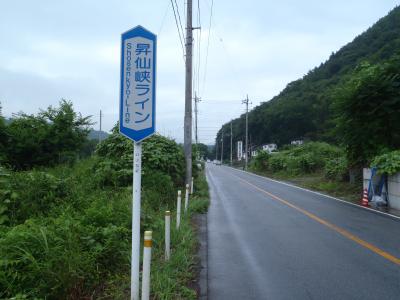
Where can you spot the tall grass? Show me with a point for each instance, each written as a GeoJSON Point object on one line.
{"type": "Point", "coordinates": [76, 243]}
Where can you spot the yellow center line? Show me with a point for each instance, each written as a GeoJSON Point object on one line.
{"type": "Point", "coordinates": [342, 231]}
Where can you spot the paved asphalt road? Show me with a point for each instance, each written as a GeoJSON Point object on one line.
{"type": "Point", "coordinates": [268, 240]}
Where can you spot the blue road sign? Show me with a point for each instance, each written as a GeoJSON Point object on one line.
{"type": "Point", "coordinates": [138, 84]}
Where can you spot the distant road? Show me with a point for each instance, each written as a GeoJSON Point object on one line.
{"type": "Point", "coordinates": [268, 240]}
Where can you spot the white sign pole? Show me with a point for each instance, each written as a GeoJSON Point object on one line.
{"type": "Point", "coordinates": [137, 178]}
{"type": "Point", "coordinates": [137, 118]}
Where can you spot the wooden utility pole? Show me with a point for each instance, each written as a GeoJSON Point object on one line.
{"type": "Point", "coordinates": [216, 148]}
{"type": "Point", "coordinates": [231, 142]}
{"type": "Point", "coordinates": [246, 101]}
{"type": "Point", "coordinates": [222, 147]}
{"type": "Point", "coordinates": [188, 94]}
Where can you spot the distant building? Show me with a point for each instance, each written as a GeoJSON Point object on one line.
{"type": "Point", "coordinates": [253, 153]}
{"type": "Point", "coordinates": [297, 142]}
{"type": "Point", "coordinates": [270, 147]}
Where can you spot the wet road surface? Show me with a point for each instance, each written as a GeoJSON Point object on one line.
{"type": "Point", "coordinates": [268, 240]}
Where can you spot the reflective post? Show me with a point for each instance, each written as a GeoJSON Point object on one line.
{"type": "Point", "coordinates": [167, 234]}
{"type": "Point", "coordinates": [146, 265]}
{"type": "Point", "coordinates": [178, 210]}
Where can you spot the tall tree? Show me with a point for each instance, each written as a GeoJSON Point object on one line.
{"type": "Point", "coordinates": [368, 108]}
{"type": "Point", "coordinates": [54, 136]}
{"type": "Point", "coordinates": [3, 136]}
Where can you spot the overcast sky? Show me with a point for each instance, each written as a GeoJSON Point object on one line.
{"type": "Point", "coordinates": [71, 49]}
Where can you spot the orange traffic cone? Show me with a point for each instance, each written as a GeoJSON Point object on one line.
{"type": "Point", "coordinates": [364, 201]}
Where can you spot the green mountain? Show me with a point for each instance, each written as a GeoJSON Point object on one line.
{"type": "Point", "coordinates": [303, 110]}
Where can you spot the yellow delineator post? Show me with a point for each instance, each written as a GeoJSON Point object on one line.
{"type": "Point", "coordinates": [146, 265]}
{"type": "Point", "coordinates": [178, 210]}
{"type": "Point", "coordinates": [186, 197]}
{"type": "Point", "coordinates": [167, 235]}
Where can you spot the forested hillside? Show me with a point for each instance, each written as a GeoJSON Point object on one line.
{"type": "Point", "coordinates": [305, 108]}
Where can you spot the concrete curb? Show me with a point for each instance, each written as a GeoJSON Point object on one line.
{"type": "Point", "coordinates": [201, 221]}
{"type": "Point", "coordinates": [371, 210]}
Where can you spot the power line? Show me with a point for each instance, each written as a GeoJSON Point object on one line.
{"type": "Point", "coordinates": [198, 45]}
{"type": "Point", "coordinates": [184, 10]}
{"type": "Point", "coordinates": [220, 39]}
{"type": "Point", "coordinates": [222, 101]}
{"type": "Point", "coordinates": [177, 27]}
{"type": "Point", "coordinates": [163, 20]}
{"type": "Point", "coordinates": [197, 56]}
{"type": "Point", "coordinates": [208, 45]}
{"type": "Point", "coordinates": [180, 22]}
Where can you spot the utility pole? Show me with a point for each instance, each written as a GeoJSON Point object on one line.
{"type": "Point", "coordinates": [188, 94]}
{"type": "Point", "coordinates": [100, 127]}
{"type": "Point", "coordinates": [231, 142]}
{"type": "Point", "coordinates": [246, 101]}
{"type": "Point", "coordinates": [222, 148]}
{"type": "Point", "coordinates": [216, 148]}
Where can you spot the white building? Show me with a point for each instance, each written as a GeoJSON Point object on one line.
{"type": "Point", "coordinates": [297, 142]}
{"type": "Point", "coordinates": [270, 147]}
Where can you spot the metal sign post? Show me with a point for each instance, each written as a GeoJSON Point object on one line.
{"type": "Point", "coordinates": [137, 118]}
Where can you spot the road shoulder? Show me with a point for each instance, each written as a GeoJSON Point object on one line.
{"type": "Point", "coordinates": [391, 216]}
{"type": "Point", "coordinates": [200, 221]}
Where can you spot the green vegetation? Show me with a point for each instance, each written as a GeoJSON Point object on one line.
{"type": "Point", "coordinates": [202, 150]}
{"type": "Point", "coordinates": [53, 136]}
{"type": "Point", "coordinates": [368, 107]}
{"type": "Point", "coordinates": [304, 159]}
{"type": "Point", "coordinates": [65, 229]}
{"type": "Point", "coordinates": [351, 100]}
{"type": "Point", "coordinates": [314, 165]}
{"type": "Point", "coordinates": [388, 163]}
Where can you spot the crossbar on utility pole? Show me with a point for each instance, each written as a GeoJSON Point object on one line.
{"type": "Point", "coordinates": [188, 94]}
{"type": "Point", "coordinates": [246, 101]}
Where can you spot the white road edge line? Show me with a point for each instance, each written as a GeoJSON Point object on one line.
{"type": "Point", "coordinates": [317, 193]}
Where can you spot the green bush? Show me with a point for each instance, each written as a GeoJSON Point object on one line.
{"type": "Point", "coordinates": [109, 172]}
{"type": "Point", "coordinates": [307, 158]}
{"type": "Point", "coordinates": [65, 232]}
{"type": "Point", "coordinates": [70, 254]}
{"type": "Point", "coordinates": [388, 163]}
{"type": "Point", "coordinates": [158, 154]}
{"type": "Point", "coordinates": [277, 162]}
{"type": "Point", "coordinates": [158, 190]}
{"type": "Point", "coordinates": [53, 136]}
{"type": "Point", "coordinates": [30, 194]}
{"type": "Point", "coordinates": [46, 259]}
{"type": "Point", "coordinates": [336, 168]}
{"type": "Point", "coordinates": [260, 162]}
